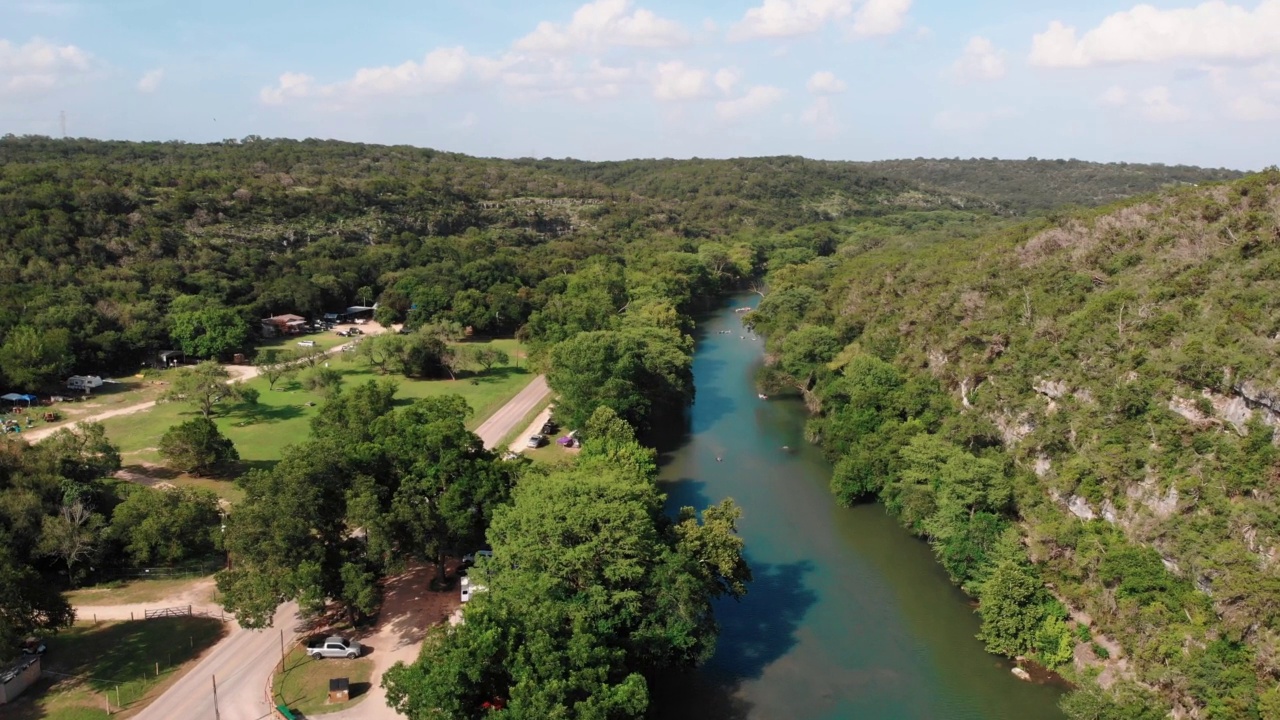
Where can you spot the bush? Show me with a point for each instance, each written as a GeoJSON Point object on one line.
{"type": "Point", "coordinates": [197, 446]}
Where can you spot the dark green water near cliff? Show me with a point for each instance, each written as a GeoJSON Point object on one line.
{"type": "Point", "coordinates": [849, 616]}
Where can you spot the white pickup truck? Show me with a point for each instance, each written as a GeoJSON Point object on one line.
{"type": "Point", "coordinates": [335, 647]}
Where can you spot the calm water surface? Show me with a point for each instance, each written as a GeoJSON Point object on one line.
{"type": "Point", "coordinates": [849, 617]}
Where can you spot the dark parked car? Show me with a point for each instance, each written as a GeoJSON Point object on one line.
{"type": "Point", "coordinates": [549, 427]}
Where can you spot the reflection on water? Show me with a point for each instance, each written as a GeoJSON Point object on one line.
{"type": "Point", "coordinates": [849, 616]}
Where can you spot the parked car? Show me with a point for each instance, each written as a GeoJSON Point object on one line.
{"type": "Point", "coordinates": [342, 333]}
{"type": "Point", "coordinates": [536, 441]}
{"type": "Point", "coordinates": [549, 427]}
{"type": "Point", "coordinates": [307, 343]}
{"type": "Point", "coordinates": [355, 331]}
{"type": "Point", "coordinates": [470, 558]}
{"type": "Point", "coordinates": [335, 646]}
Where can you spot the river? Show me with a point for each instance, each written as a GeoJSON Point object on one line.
{"type": "Point", "coordinates": [849, 616]}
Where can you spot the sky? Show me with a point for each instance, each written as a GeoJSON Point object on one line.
{"type": "Point", "coordinates": [1106, 80]}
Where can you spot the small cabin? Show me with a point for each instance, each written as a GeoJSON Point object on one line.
{"type": "Point", "coordinates": [283, 325]}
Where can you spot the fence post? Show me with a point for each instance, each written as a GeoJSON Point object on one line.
{"type": "Point", "coordinates": [118, 703]}
{"type": "Point", "coordinates": [157, 668]}
{"type": "Point", "coordinates": [107, 699]}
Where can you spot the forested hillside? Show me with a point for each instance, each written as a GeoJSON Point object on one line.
{"type": "Point", "coordinates": [1079, 416]}
{"type": "Point", "coordinates": [1034, 184]}
{"type": "Point", "coordinates": [109, 247]}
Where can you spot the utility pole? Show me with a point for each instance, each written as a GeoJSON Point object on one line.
{"type": "Point", "coordinates": [216, 715]}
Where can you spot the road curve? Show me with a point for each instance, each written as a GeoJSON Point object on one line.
{"type": "Point", "coordinates": [242, 663]}
{"type": "Point", "coordinates": [508, 417]}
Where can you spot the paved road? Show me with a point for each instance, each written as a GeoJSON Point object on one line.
{"type": "Point", "coordinates": [242, 664]}
{"type": "Point", "coordinates": [508, 417]}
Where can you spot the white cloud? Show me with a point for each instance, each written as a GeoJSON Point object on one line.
{"type": "Point", "coordinates": [440, 69]}
{"type": "Point", "coordinates": [881, 17]}
{"type": "Point", "coordinates": [40, 65]}
{"type": "Point", "coordinates": [150, 80]}
{"type": "Point", "coordinates": [1212, 31]}
{"type": "Point", "coordinates": [821, 117]}
{"type": "Point", "coordinates": [788, 18]}
{"type": "Point", "coordinates": [604, 23]}
{"type": "Point", "coordinates": [756, 100]}
{"type": "Point", "coordinates": [825, 82]}
{"type": "Point", "coordinates": [979, 61]}
{"type": "Point", "coordinates": [677, 81]}
{"type": "Point", "coordinates": [1158, 106]}
{"type": "Point", "coordinates": [726, 79]}
{"type": "Point", "coordinates": [1115, 96]}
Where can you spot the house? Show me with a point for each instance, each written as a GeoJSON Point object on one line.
{"type": "Point", "coordinates": [283, 325]}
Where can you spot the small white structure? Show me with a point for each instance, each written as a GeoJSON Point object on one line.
{"type": "Point", "coordinates": [84, 382]}
{"type": "Point", "coordinates": [468, 589]}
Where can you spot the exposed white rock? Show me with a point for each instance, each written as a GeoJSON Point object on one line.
{"type": "Point", "coordinates": [1109, 512]}
{"type": "Point", "coordinates": [1147, 493]}
{"type": "Point", "coordinates": [1051, 388]}
{"type": "Point", "coordinates": [1080, 508]}
{"type": "Point", "coordinates": [1042, 466]}
{"type": "Point", "coordinates": [1021, 674]}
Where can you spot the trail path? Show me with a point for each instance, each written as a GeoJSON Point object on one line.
{"type": "Point", "coordinates": [520, 442]}
{"type": "Point", "coordinates": [501, 423]}
{"type": "Point", "coordinates": [199, 595]}
{"type": "Point", "coordinates": [238, 373]}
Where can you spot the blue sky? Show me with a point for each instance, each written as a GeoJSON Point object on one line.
{"type": "Point", "coordinates": [1164, 81]}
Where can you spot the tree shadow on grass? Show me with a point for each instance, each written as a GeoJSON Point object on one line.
{"type": "Point", "coordinates": [244, 415]}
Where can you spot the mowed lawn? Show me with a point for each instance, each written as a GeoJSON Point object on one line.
{"type": "Point", "coordinates": [112, 657]}
{"type": "Point", "coordinates": [281, 416]}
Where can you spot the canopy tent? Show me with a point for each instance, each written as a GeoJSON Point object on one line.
{"type": "Point", "coordinates": [15, 397]}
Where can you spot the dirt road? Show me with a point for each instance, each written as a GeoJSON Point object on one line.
{"type": "Point", "coordinates": [501, 423]}
{"type": "Point", "coordinates": [239, 373]}
{"type": "Point", "coordinates": [410, 607]}
{"type": "Point", "coordinates": [241, 664]}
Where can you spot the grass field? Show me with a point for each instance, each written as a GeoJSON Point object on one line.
{"type": "Point", "coordinates": [107, 658]}
{"type": "Point", "coordinates": [281, 417]}
{"type": "Point", "coordinates": [303, 686]}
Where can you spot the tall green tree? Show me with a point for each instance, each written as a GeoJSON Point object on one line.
{"type": "Point", "coordinates": [209, 333]}
{"type": "Point", "coordinates": [197, 446]}
{"type": "Point", "coordinates": [204, 387]}
{"type": "Point", "coordinates": [167, 526]}
{"type": "Point", "coordinates": [31, 359]}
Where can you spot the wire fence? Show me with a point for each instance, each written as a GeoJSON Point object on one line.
{"type": "Point", "coordinates": [177, 572]}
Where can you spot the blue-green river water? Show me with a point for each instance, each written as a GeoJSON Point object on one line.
{"type": "Point", "coordinates": [849, 617]}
